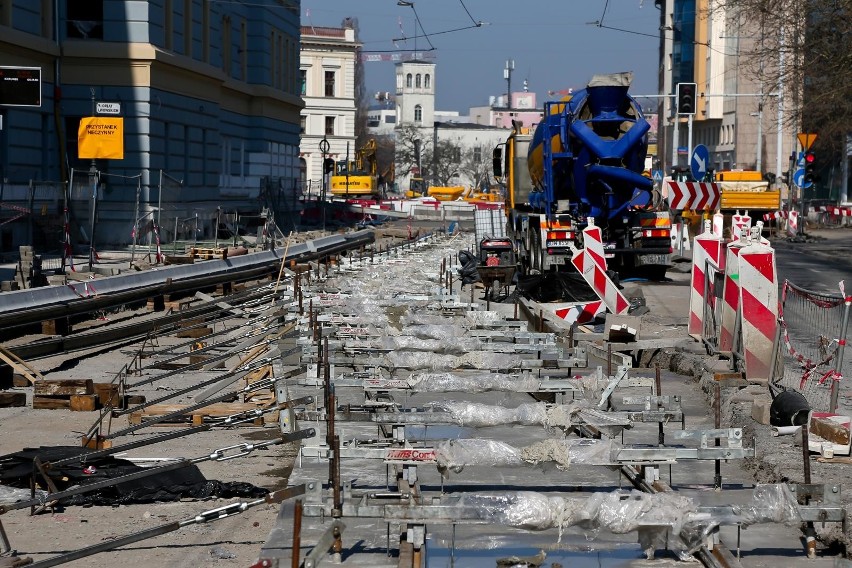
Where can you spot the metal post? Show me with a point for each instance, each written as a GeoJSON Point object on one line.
{"type": "Point", "coordinates": [94, 175]}
{"type": "Point", "coordinates": [297, 534]}
{"type": "Point", "coordinates": [174, 238]}
{"type": "Point", "coordinates": [135, 220]}
{"type": "Point", "coordinates": [841, 345]}
{"type": "Point", "coordinates": [717, 479]}
{"type": "Point", "coordinates": [689, 142]}
{"type": "Point", "coordinates": [216, 233]}
{"type": "Point", "coordinates": [675, 141]}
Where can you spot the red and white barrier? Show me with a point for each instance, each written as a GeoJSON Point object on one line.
{"type": "Point", "coordinates": [758, 307]}
{"type": "Point", "coordinates": [719, 224]}
{"type": "Point", "coordinates": [600, 282]}
{"type": "Point", "coordinates": [730, 298]}
{"type": "Point", "coordinates": [593, 243]}
{"type": "Point", "coordinates": [740, 224]}
{"type": "Point", "coordinates": [708, 246]}
{"type": "Point", "coordinates": [580, 313]}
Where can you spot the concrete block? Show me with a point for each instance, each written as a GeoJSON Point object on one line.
{"type": "Point", "coordinates": [760, 409]}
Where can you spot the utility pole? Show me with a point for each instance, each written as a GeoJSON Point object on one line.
{"type": "Point", "coordinates": [507, 74]}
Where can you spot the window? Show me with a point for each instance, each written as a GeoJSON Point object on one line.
{"type": "Point", "coordinates": [46, 17]}
{"type": "Point", "coordinates": [205, 32]}
{"type": "Point", "coordinates": [187, 28]}
{"type": "Point", "coordinates": [85, 19]}
{"type": "Point", "coordinates": [418, 113]}
{"type": "Point", "coordinates": [303, 80]}
{"type": "Point", "coordinates": [169, 25]}
{"type": "Point", "coordinates": [243, 51]}
{"type": "Point", "coordinates": [303, 124]}
{"type": "Point", "coordinates": [417, 81]}
{"type": "Point", "coordinates": [329, 83]}
{"type": "Point", "coordinates": [390, 119]}
{"type": "Point", "coordinates": [226, 45]}
{"type": "Point", "coordinates": [329, 126]}
{"type": "Point", "coordinates": [427, 81]}
{"type": "Point", "coordinates": [408, 80]}
{"type": "Point", "coordinates": [477, 155]}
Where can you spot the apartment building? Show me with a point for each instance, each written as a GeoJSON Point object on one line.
{"type": "Point", "coordinates": [209, 97]}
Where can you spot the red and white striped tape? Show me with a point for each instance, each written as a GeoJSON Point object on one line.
{"type": "Point", "coordinates": [833, 210]}
{"type": "Point", "coordinates": [600, 282]}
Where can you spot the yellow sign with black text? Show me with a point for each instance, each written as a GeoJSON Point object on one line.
{"type": "Point", "coordinates": [100, 137]}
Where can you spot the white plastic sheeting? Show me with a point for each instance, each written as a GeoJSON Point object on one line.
{"type": "Point", "coordinates": [437, 362]}
{"type": "Point", "coordinates": [452, 346]}
{"type": "Point", "coordinates": [657, 518]}
{"type": "Point", "coordinates": [481, 382]}
{"type": "Point", "coordinates": [455, 455]}
{"type": "Point", "coordinates": [478, 415]}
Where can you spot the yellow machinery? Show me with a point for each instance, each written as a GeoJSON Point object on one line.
{"type": "Point", "coordinates": [746, 190]}
{"type": "Point", "coordinates": [416, 188]}
{"type": "Point", "coordinates": [357, 178]}
{"type": "Point", "coordinates": [446, 193]}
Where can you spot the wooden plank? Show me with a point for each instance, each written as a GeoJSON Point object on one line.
{"type": "Point", "coordinates": [64, 387]}
{"type": "Point", "coordinates": [51, 403]}
{"type": "Point", "coordinates": [11, 399]}
{"type": "Point", "coordinates": [829, 430]}
{"type": "Point", "coordinates": [107, 394]}
{"type": "Point", "coordinates": [20, 365]}
{"type": "Point", "coordinates": [194, 333]}
{"type": "Point", "coordinates": [83, 402]}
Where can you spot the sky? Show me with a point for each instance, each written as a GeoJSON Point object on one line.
{"type": "Point", "coordinates": [555, 44]}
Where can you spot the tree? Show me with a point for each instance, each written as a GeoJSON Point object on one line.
{"type": "Point", "coordinates": [476, 165]}
{"type": "Point", "coordinates": [445, 164]}
{"type": "Point", "coordinates": [404, 151]}
{"type": "Point", "coordinates": [812, 39]}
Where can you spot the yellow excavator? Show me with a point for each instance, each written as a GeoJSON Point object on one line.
{"type": "Point", "coordinates": [358, 177]}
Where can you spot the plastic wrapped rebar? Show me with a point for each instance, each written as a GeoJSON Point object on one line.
{"type": "Point", "coordinates": [481, 382]}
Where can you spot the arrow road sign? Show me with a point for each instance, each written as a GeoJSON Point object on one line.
{"type": "Point", "coordinates": [799, 179]}
{"type": "Point", "coordinates": [698, 162]}
{"type": "Point", "coordinates": [696, 196]}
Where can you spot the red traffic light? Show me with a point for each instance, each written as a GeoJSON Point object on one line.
{"type": "Point", "coordinates": [809, 157]}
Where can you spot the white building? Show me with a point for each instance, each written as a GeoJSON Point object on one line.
{"type": "Point", "coordinates": [327, 70]}
{"type": "Point", "coordinates": [415, 104]}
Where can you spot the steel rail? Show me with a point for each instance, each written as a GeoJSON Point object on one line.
{"type": "Point", "coordinates": [35, 305]}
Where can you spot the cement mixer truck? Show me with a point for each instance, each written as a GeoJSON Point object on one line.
{"type": "Point", "coordinates": [584, 161]}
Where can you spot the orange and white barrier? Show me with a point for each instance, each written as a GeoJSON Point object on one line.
{"type": "Point", "coordinates": [597, 278]}
{"type": "Point", "coordinates": [708, 247]}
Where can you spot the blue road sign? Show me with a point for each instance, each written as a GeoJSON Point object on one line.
{"type": "Point", "coordinates": [799, 179]}
{"type": "Point", "coordinates": [658, 176]}
{"type": "Point", "coordinates": [698, 162]}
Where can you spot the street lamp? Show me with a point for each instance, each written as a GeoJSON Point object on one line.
{"type": "Point", "coordinates": [324, 146]}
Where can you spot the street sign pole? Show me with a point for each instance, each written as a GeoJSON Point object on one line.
{"type": "Point", "coordinates": [689, 140]}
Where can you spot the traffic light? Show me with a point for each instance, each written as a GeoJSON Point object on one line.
{"type": "Point", "coordinates": [328, 165]}
{"type": "Point", "coordinates": [686, 98]}
{"type": "Point", "coordinates": [785, 177]}
{"type": "Point", "coordinates": [810, 167]}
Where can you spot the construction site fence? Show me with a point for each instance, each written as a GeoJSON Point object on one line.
{"type": "Point", "coordinates": [810, 344]}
